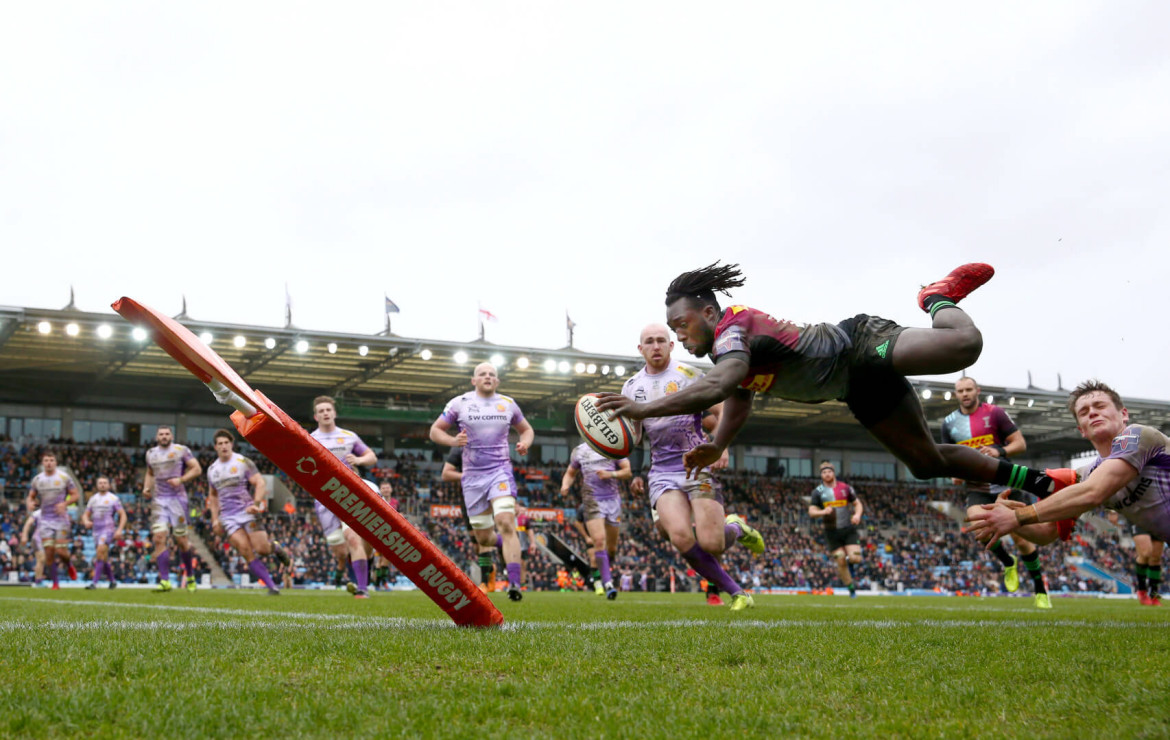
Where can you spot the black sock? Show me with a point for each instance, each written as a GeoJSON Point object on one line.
{"type": "Point", "coordinates": [1022, 478]}
{"type": "Point", "coordinates": [1154, 576]}
{"type": "Point", "coordinates": [1140, 576]}
{"type": "Point", "coordinates": [1001, 553]}
{"type": "Point", "coordinates": [712, 588]}
{"type": "Point", "coordinates": [1032, 563]}
{"type": "Point", "coordinates": [935, 303]}
{"type": "Point", "coordinates": [485, 567]}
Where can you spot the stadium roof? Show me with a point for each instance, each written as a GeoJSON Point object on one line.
{"type": "Point", "coordinates": [403, 379]}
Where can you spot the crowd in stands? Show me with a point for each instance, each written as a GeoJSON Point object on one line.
{"type": "Point", "coordinates": [906, 542]}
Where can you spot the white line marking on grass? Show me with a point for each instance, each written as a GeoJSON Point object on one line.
{"type": "Point", "coordinates": [354, 621]}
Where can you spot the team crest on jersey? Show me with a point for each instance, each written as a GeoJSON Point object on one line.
{"type": "Point", "coordinates": [671, 387]}
{"type": "Point", "coordinates": [758, 383]}
{"type": "Point", "coordinates": [1124, 443]}
{"type": "Point", "coordinates": [170, 455]}
{"type": "Point", "coordinates": [501, 407]}
{"type": "Point", "coordinates": [232, 469]}
{"type": "Point", "coordinates": [503, 485]}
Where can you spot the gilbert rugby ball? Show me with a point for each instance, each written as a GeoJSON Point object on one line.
{"type": "Point", "coordinates": [613, 438]}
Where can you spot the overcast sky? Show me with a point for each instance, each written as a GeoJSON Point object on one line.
{"type": "Point", "coordinates": [538, 158]}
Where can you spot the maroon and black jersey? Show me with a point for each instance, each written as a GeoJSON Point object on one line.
{"type": "Point", "coordinates": [808, 363]}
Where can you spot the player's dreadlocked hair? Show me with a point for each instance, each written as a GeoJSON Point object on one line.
{"type": "Point", "coordinates": [701, 284]}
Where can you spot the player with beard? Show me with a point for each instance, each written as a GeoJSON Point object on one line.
{"type": "Point", "coordinates": [169, 466]}
{"type": "Point", "coordinates": [53, 491]}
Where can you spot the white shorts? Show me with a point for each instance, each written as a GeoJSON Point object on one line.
{"type": "Point", "coordinates": [169, 513]}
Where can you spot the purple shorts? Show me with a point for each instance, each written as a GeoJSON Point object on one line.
{"type": "Point", "coordinates": [329, 521]}
{"type": "Point", "coordinates": [54, 531]}
{"type": "Point", "coordinates": [480, 488]}
{"type": "Point", "coordinates": [169, 512]}
{"type": "Point", "coordinates": [705, 486]}
{"type": "Point", "coordinates": [242, 520]}
{"type": "Point", "coordinates": [608, 508]}
{"type": "Point", "coordinates": [103, 535]}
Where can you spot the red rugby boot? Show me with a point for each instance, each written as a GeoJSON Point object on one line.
{"type": "Point", "coordinates": [959, 284]}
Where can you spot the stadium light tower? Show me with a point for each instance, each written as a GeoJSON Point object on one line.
{"type": "Point", "coordinates": [105, 331]}
{"type": "Point", "coordinates": [522, 363]}
{"type": "Point", "coordinates": [620, 370]}
{"type": "Point", "coordinates": [550, 365]}
{"type": "Point", "coordinates": [425, 354]}
{"type": "Point", "coordinates": [239, 341]}
{"type": "Point", "coordinates": [269, 343]}
{"type": "Point", "coordinates": [206, 337]}
{"type": "Point", "coordinates": [72, 329]}
{"type": "Point", "coordinates": [926, 394]}
{"type": "Point", "coordinates": [497, 360]}
{"type": "Point", "coordinates": [302, 346]}
{"type": "Point", "coordinates": [591, 368]}
{"type": "Point", "coordinates": [44, 327]}
{"type": "Point", "coordinates": [138, 333]}
{"type": "Point", "coordinates": [331, 348]}
{"type": "Point", "coordinates": [579, 367]}
{"type": "Point", "coordinates": [363, 350]}
{"type": "Point", "coordinates": [563, 366]}
{"type": "Point", "coordinates": [460, 357]}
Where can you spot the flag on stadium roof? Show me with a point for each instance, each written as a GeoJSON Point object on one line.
{"type": "Point", "coordinates": [391, 306]}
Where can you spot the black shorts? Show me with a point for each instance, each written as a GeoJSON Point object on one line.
{"type": "Point", "coordinates": [835, 539]}
{"type": "Point", "coordinates": [874, 389]}
{"type": "Point", "coordinates": [1135, 530]}
{"type": "Point", "coordinates": [978, 498]}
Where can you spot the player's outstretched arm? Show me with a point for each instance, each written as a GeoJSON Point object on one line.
{"type": "Point", "coordinates": [717, 385]}
{"type": "Point", "coordinates": [994, 521]}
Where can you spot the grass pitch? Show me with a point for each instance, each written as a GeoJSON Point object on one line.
{"type": "Point", "coordinates": [130, 663]}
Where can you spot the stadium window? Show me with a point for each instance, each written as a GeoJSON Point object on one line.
{"type": "Point", "coordinates": [82, 431]}
{"type": "Point", "coordinates": [554, 453]}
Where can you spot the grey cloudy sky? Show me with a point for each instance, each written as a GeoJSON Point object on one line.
{"type": "Point", "coordinates": [542, 157]}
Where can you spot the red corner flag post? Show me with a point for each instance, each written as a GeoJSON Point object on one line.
{"type": "Point", "coordinates": [310, 464]}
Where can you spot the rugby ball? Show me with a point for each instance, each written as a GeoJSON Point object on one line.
{"type": "Point", "coordinates": [612, 438]}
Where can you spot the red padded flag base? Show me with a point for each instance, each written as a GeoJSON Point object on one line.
{"type": "Point", "coordinates": [315, 468]}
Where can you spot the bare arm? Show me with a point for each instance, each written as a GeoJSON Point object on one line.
{"type": "Point", "coordinates": [191, 471]}
{"type": "Point", "coordinates": [450, 474]}
{"type": "Point", "coordinates": [623, 472]}
{"type": "Point", "coordinates": [26, 532]}
{"type": "Point", "coordinates": [524, 429]}
{"type": "Point", "coordinates": [734, 414]}
{"type": "Point", "coordinates": [30, 501]}
{"type": "Point", "coordinates": [817, 512]}
{"type": "Point", "coordinates": [213, 505]}
{"type": "Point", "coordinates": [148, 483]}
{"type": "Point", "coordinates": [711, 419]}
{"type": "Point", "coordinates": [260, 491]}
{"type": "Point", "coordinates": [1015, 444]}
{"type": "Point", "coordinates": [366, 459]}
{"type": "Point", "coordinates": [858, 508]}
{"type": "Point", "coordinates": [121, 521]}
{"type": "Point", "coordinates": [567, 479]}
{"type": "Point", "coordinates": [717, 385]}
{"type": "Point", "coordinates": [440, 436]}
{"type": "Point", "coordinates": [72, 495]}
{"type": "Point", "coordinates": [86, 519]}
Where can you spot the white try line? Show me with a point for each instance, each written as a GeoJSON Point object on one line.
{"type": "Point", "coordinates": [263, 619]}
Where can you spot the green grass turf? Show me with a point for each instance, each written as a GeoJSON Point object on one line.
{"type": "Point", "coordinates": [320, 664]}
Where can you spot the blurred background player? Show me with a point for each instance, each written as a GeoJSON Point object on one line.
{"type": "Point", "coordinates": [99, 514]}
{"type": "Point", "coordinates": [989, 430]}
{"type": "Point", "coordinates": [32, 531]}
{"type": "Point", "coordinates": [679, 501]}
{"type": "Point", "coordinates": [382, 566]}
{"type": "Point", "coordinates": [1147, 569]}
{"type": "Point", "coordinates": [234, 510]}
{"type": "Point", "coordinates": [349, 448]}
{"type": "Point", "coordinates": [601, 505]}
{"type": "Point", "coordinates": [593, 578]}
{"type": "Point", "coordinates": [53, 492]}
{"type": "Point", "coordinates": [483, 418]}
{"type": "Point", "coordinates": [836, 504]}
{"type": "Point", "coordinates": [169, 466]}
